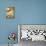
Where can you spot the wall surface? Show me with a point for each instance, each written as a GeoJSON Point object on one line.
{"type": "Point", "coordinates": [6, 25]}
{"type": "Point", "coordinates": [27, 12]}
{"type": "Point", "coordinates": [31, 11]}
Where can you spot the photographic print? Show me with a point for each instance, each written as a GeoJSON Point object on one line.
{"type": "Point", "coordinates": [10, 12]}
{"type": "Point", "coordinates": [31, 33]}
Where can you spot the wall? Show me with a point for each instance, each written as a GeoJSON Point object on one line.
{"type": "Point", "coordinates": [27, 12]}
{"type": "Point", "coordinates": [6, 25]}
{"type": "Point", "coordinates": [31, 11]}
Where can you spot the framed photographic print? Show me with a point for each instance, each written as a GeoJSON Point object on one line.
{"type": "Point", "coordinates": [10, 12]}
{"type": "Point", "coordinates": [32, 32]}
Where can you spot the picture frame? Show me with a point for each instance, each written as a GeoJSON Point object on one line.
{"type": "Point", "coordinates": [10, 12]}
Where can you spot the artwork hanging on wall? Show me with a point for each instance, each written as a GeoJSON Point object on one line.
{"type": "Point", "coordinates": [12, 38]}
{"type": "Point", "coordinates": [10, 12]}
{"type": "Point", "coordinates": [32, 32]}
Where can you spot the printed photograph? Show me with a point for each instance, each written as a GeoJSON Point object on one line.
{"type": "Point", "coordinates": [30, 34]}
{"type": "Point", "coordinates": [10, 12]}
